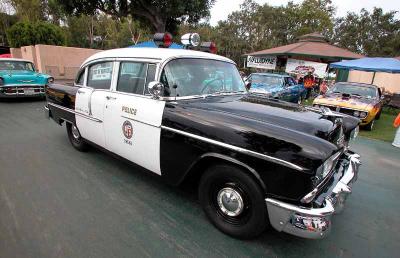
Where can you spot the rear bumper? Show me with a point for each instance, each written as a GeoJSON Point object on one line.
{"type": "Point", "coordinates": [315, 223]}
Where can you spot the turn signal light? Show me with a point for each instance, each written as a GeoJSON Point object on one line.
{"type": "Point", "coordinates": [163, 40]}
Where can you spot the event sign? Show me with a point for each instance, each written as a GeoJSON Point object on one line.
{"type": "Point", "coordinates": [302, 67]}
{"type": "Point", "coordinates": [266, 62]}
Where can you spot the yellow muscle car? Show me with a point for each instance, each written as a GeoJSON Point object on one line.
{"type": "Point", "coordinates": [361, 100]}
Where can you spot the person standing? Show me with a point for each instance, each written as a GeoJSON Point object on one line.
{"type": "Point", "coordinates": [309, 81]}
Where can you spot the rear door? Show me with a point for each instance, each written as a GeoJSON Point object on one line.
{"type": "Point", "coordinates": [132, 118]}
{"type": "Point", "coordinates": [91, 99]}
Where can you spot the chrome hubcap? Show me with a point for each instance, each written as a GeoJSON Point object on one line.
{"type": "Point", "coordinates": [75, 132]}
{"type": "Point", "coordinates": [230, 201]}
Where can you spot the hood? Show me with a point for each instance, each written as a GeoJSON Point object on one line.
{"type": "Point", "coordinates": [351, 102]}
{"type": "Point", "coordinates": [261, 124]}
{"type": "Point", "coordinates": [272, 111]}
{"type": "Point", "coordinates": [23, 77]}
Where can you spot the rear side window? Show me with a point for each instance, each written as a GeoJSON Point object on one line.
{"type": "Point", "coordinates": [100, 75]}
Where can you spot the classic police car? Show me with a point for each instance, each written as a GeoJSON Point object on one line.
{"type": "Point", "coordinates": [278, 86]}
{"type": "Point", "coordinates": [360, 100]}
{"type": "Point", "coordinates": [19, 79]}
{"type": "Point", "coordinates": [258, 161]}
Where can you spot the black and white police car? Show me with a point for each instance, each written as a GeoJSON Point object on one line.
{"type": "Point", "coordinates": [186, 114]}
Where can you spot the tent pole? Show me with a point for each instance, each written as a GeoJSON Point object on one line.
{"type": "Point", "coordinates": [373, 78]}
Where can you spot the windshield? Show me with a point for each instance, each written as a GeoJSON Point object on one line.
{"type": "Point", "coordinates": [357, 90]}
{"type": "Point", "coordinates": [16, 66]}
{"type": "Point", "coordinates": [189, 77]}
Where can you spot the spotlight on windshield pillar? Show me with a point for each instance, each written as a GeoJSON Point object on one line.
{"type": "Point", "coordinates": [163, 39]}
{"type": "Point", "coordinates": [190, 39]}
{"type": "Point", "coordinates": [209, 47]}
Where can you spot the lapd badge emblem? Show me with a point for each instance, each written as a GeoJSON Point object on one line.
{"type": "Point", "coordinates": [127, 129]}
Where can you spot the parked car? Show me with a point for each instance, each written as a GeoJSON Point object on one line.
{"type": "Point", "coordinates": [360, 100]}
{"type": "Point", "coordinates": [185, 115]}
{"type": "Point", "coordinates": [277, 86]}
{"type": "Point", "coordinates": [18, 78]}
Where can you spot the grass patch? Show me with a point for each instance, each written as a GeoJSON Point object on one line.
{"type": "Point", "coordinates": [383, 128]}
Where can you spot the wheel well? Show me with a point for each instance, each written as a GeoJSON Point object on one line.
{"type": "Point", "coordinates": [196, 171]}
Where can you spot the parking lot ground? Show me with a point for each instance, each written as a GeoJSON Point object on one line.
{"type": "Point", "coordinates": [58, 202]}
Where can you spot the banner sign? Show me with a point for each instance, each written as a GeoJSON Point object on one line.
{"type": "Point", "coordinates": [303, 67]}
{"type": "Point", "coordinates": [266, 62]}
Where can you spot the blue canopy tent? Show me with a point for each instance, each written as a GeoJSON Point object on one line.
{"type": "Point", "coordinates": [153, 45]}
{"type": "Point", "coordinates": [370, 64]}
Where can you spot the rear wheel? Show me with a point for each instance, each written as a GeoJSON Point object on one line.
{"type": "Point", "coordinates": [233, 201]}
{"type": "Point", "coordinates": [75, 138]}
{"type": "Point", "coordinates": [370, 126]}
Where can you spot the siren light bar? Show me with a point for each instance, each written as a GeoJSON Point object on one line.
{"type": "Point", "coordinates": [163, 40]}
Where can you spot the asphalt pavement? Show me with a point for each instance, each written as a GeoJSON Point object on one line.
{"type": "Point", "coordinates": [58, 202]}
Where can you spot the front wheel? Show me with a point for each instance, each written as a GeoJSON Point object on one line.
{"type": "Point", "coordinates": [233, 201]}
{"type": "Point", "coordinates": [370, 126]}
{"type": "Point", "coordinates": [75, 138]}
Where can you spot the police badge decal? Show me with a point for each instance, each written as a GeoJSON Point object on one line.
{"type": "Point", "coordinates": [127, 130]}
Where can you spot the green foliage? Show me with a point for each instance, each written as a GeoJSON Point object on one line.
{"type": "Point", "coordinates": [26, 33]}
{"type": "Point", "coordinates": [372, 34]}
{"type": "Point", "coordinates": [159, 14]}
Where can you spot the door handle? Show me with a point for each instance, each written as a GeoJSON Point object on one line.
{"type": "Point", "coordinates": [110, 97]}
{"type": "Point", "coordinates": [80, 92]}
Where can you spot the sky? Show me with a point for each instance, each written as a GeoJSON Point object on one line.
{"type": "Point", "coordinates": [222, 8]}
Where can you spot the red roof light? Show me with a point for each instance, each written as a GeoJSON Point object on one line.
{"type": "Point", "coordinates": [163, 39]}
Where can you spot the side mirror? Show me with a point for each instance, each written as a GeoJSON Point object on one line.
{"type": "Point", "coordinates": [156, 89]}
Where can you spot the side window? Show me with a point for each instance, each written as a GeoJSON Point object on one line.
{"type": "Point", "coordinates": [100, 75]}
{"type": "Point", "coordinates": [132, 77]}
{"type": "Point", "coordinates": [151, 74]}
{"type": "Point", "coordinates": [292, 82]}
{"type": "Point", "coordinates": [81, 77]}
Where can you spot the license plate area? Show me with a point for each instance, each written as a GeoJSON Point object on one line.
{"type": "Point", "coordinates": [29, 91]}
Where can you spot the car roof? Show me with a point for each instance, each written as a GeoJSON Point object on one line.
{"type": "Point", "coordinates": [358, 84]}
{"type": "Point", "coordinates": [14, 59]}
{"type": "Point", "coordinates": [159, 54]}
{"type": "Point", "coordinates": [273, 74]}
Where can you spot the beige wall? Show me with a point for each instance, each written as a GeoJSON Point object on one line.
{"type": "Point", "coordinates": [60, 62]}
{"type": "Point", "coordinates": [389, 81]}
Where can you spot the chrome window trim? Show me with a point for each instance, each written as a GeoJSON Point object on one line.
{"type": "Point", "coordinates": [235, 148]}
{"type": "Point", "coordinates": [75, 112]}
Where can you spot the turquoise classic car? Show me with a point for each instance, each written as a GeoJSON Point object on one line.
{"type": "Point", "coordinates": [18, 78]}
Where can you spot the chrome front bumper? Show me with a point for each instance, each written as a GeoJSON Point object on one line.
{"type": "Point", "coordinates": [315, 223]}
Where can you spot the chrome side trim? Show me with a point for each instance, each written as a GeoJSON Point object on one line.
{"type": "Point", "coordinates": [76, 113]}
{"type": "Point", "coordinates": [130, 118]}
{"type": "Point", "coordinates": [235, 148]}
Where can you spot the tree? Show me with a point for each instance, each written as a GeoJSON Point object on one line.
{"type": "Point", "coordinates": [27, 33]}
{"type": "Point", "coordinates": [28, 10]}
{"type": "Point", "coordinates": [160, 14]}
{"type": "Point", "coordinates": [372, 34]}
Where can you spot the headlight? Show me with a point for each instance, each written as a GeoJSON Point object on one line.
{"type": "Point", "coordinates": [325, 168]}
{"type": "Point", "coordinates": [356, 113]}
{"type": "Point", "coordinates": [363, 114]}
{"type": "Point", "coordinates": [317, 106]}
{"type": "Point", "coordinates": [50, 80]}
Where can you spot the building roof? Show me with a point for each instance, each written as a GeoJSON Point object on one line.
{"type": "Point", "coordinates": [312, 45]}
{"type": "Point", "coordinates": [159, 54]}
